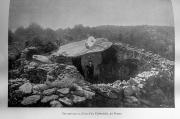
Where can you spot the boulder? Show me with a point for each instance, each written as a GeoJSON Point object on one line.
{"type": "Point", "coordinates": [26, 88]}
{"type": "Point", "coordinates": [136, 90]}
{"type": "Point", "coordinates": [61, 95]}
{"type": "Point", "coordinates": [40, 87]}
{"type": "Point", "coordinates": [77, 99]}
{"type": "Point", "coordinates": [87, 88]}
{"type": "Point", "coordinates": [30, 100]}
{"type": "Point", "coordinates": [128, 91]}
{"type": "Point", "coordinates": [35, 92]}
{"type": "Point", "coordinates": [70, 67]}
{"type": "Point", "coordinates": [55, 103]}
{"type": "Point", "coordinates": [33, 64]}
{"type": "Point", "coordinates": [57, 83]}
{"type": "Point", "coordinates": [88, 94]}
{"type": "Point", "coordinates": [78, 93]}
{"type": "Point", "coordinates": [110, 95]}
{"type": "Point", "coordinates": [140, 86]}
{"type": "Point", "coordinates": [66, 101]}
{"type": "Point", "coordinates": [42, 58]}
{"type": "Point", "coordinates": [124, 83]}
{"type": "Point", "coordinates": [49, 91]}
{"type": "Point", "coordinates": [131, 99]}
{"type": "Point", "coordinates": [18, 94]}
{"type": "Point", "coordinates": [117, 83]}
{"type": "Point", "coordinates": [77, 87]}
{"type": "Point", "coordinates": [63, 90]}
{"type": "Point", "coordinates": [132, 82]}
{"type": "Point", "coordinates": [49, 98]}
{"type": "Point", "coordinates": [118, 90]}
{"type": "Point", "coordinates": [84, 93]}
{"type": "Point", "coordinates": [50, 78]}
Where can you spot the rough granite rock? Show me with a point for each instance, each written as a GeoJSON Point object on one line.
{"type": "Point", "coordinates": [61, 95]}
{"type": "Point", "coordinates": [18, 94]}
{"type": "Point", "coordinates": [70, 67]}
{"type": "Point", "coordinates": [30, 100]}
{"type": "Point", "coordinates": [141, 86]}
{"type": "Point", "coordinates": [26, 88]}
{"type": "Point", "coordinates": [77, 99]}
{"type": "Point", "coordinates": [63, 90]}
{"type": "Point", "coordinates": [58, 84]}
{"type": "Point", "coordinates": [88, 94]}
{"type": "Point", "coordinates": [117, 83]}
{"type": "Point", "coordinates": [66, 101]}
{"type": "Point", "coordinates": [40, 87]}
{"type": "Point", "coordinates": [33, 64]}
{"type": "Point", "coordinates": [55, 103]}
{"type": "Point", "coordinates": [49, 98]}
{"type": "Point", "coordinates": [77, 87]}
{"type": "Point", "coordinates": [132, 82]}
{"type": "Point", "coordinates": [35, 92]}
{"type": "Point", "coordinates": [131, 99]}
{"type": "Point", "coordinates": [87, 88]}
{"type": "Point", "coordinates": [128, 91]}
{"type": "Point", "coordinates": [78, 93]}
{"type": "Point", "coordinates": [49, 91]}
{"type": "Point", "coordinates": [110, 95]}
{"type": "Point", "coordinates": [84, 93]}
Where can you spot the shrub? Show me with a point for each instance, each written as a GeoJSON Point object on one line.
{"type": "Point", "coordinates": [43, 44]}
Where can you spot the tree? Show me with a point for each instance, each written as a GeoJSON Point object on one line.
{"type": "Point", "coordinates": [34, 29]}
{"type": "Point", "coordinates": [50, 34]}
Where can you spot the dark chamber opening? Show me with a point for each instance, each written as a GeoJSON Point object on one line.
{"type": "Point", "coordinates": [77, 63]}
{"type": "Point", "coordinates": [111, 69]}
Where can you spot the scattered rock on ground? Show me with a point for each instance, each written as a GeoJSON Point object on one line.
{"type": "Point", "coordinates": [49, 98]}
{"type": "Point", "coordinates": [40, 87]}
{"type": "Point", "coordinates": [77, 99]}
{"type": "Point", "coordinates": [111, 95]}
{"type": "Point", "coordinates": [55, 103]}
{"type": "Point", "coordinates": [66, 101]}
{"type": "Point", "coordinates": [49, 91]}
{"type": "Point", "coordinates": [26, 88]}
{"type": "Point", "coordinates": [63, 90]}
{"type": "Point", "coordinates": [30, 100]}
{"type": "Point", "coordinates": [18, 94]}
{"type": "Point", "coordinates": [131, 99]}
{"type": "Point", "coordinates": [128, 91]}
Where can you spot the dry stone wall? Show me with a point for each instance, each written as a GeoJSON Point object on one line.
{"type": "Point", "coordinates": [61, 85]}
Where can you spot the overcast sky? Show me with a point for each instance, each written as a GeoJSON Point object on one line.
{"type": "Point", "coordinates": [67, 13]}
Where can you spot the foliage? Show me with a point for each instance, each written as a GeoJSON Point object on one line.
{"type": "Point", "coordinates": [41, 43]}
{"type": "Point", "coordinates": [160, 89]}
{"type": "Point", "coordinates": [157, 39]}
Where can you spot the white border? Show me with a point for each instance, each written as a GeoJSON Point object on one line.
{"type": "Point", "coordinates": [51, 113]}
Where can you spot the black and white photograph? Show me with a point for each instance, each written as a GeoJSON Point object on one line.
{"type": "Point", "coordinates": [91, 54]}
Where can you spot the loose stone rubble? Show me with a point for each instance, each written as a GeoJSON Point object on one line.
{"type": "Point", "coordinates": [61, 85]}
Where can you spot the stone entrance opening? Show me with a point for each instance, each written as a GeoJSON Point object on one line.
{"type": "Point", "coordinates": [107, 67]}
{"type": "Point", "coordinates": [76, 61]}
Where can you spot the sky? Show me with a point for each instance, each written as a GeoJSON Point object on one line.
{"type": "Point", "coordinates": [57, 14]}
